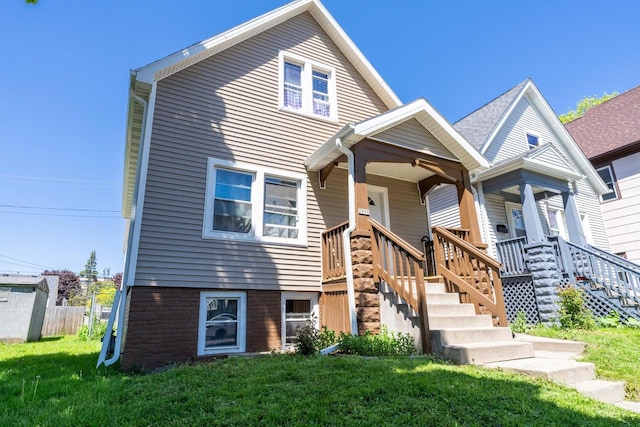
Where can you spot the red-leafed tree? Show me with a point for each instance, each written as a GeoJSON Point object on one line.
{"type": "Point", "coordinates": [117, 280]}
{"type": "Point", "coordinates": [68, 284]}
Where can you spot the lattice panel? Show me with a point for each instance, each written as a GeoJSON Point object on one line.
{"type": "Point", "coordinates": [520, 295]}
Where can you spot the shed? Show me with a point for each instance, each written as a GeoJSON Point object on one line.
{"type": "Point", "coordinates": [23, 301]}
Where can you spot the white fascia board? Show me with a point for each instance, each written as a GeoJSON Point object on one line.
{"type": "Point", "coordinates": [599, 187]}
{"type": "Point", "coordinates": [328, 151]}
{"type": "Point", "coordinates": [503, 119]}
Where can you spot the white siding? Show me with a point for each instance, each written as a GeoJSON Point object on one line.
{"type": "Point", "coordinates": [621, 216]}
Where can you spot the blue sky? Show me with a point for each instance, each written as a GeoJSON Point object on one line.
{"type": "Point", "coordinates": [65, 70]}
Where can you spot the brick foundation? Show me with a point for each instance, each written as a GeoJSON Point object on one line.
{"type": "Point", "coordinates": [162, 325]}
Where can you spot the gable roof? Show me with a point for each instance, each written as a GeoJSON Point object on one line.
{"type": "Point", "coordinates": [477, 126]}
{"type": "Point", "coordinates": [420, 110]}
{"type": "Point", "coordinates": [142, 78]}
{"type": "Point", "coordinates": [487, 121]}
{"type": "Point", "coordinates": [195, 53]}
{"type": "Point", "coordinates": [610, 126]}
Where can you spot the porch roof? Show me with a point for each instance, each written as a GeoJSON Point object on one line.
{"type": "Point", "coordinates": [545, 160]}
{"type": "Point", "coordinates": [419, 110]}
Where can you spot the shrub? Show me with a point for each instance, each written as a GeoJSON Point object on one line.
{"type": "Point", "coordinates": [311, 340]}
{"type": "Point", "coordinates": [573, 313]}
{"type": "Point", "coordinates": [97, 332]}
{"type": "Point", "coordinates": [384, 344]}
{"type": "Point", "coordinates": [612, 320]}
{"type": "Point", "coordinates": [519, 325]}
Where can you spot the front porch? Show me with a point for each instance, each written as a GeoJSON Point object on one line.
{"type": "Point", "coordinates": [381, 250]}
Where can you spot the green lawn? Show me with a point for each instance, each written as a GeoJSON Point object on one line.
{"type": "Point", "coordinates": [614, 351]}
{"type": "Point", "coordinates": [54, 382]}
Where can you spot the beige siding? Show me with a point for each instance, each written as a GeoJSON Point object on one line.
{"type": "Point", "coordinates": [413, 135]}
{"type": "Point", "coordinates": [621, 215]}
{"type": "Point", "coordinates": [226, 107]}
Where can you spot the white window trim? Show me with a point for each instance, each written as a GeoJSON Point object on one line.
{"type": "Point", "coordinates": [257, 202]}
{"type": "Point", "coordinates": [242, 323]}
{"type": "Point", "coordinates": [615, 186]}
{"type": "Point", "coordinates": [312, 296]}
{"type": "Point", "coordinates": [509, 206]}
{"type": "Point", "coordinates": [307, 89]}
{"type": "Point", "coordinates": [526, 138]}
{"type": "Point", "coordinates": [562, 229]}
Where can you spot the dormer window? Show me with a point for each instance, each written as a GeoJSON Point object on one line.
{"type": "Point", "coordinates": [307, 87]}
{"type": "Point", "coordinates": [533, 141]}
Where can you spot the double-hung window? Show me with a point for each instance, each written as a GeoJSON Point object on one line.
{"type": "Point", "coordinates": [607, 176]}
{"type": "Point", "coordinates": [247, 202]}
{"type": "Point", "coordinates": [307, 87]}
{"type": "Point", "coordinates": [298, 308]}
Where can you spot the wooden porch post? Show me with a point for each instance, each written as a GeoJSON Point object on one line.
{"type": "Point", "coordinates": [467, 206]}
{"type": "Point", "coordinates": [362, 198]}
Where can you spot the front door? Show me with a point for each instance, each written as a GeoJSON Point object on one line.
{"type": "Point", "coordinates": [516, 220]}
{"type": "Point", "coordinates": [378, 204]}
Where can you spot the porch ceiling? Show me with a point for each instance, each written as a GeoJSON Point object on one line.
{"type": "Point", "coordinates": [401, 171]}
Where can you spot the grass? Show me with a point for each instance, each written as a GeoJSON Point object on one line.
{"type": "Point", "coordinates": [54, 382]}
{"type": "Point", "coordinates": [614, 351]}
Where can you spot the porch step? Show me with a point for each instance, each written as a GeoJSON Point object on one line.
{"type": "Point", "coordinates": [604, 391]}
{"type": "Point", "coordinates": [561, 371]}
{"type": "Point", "coordinates": [552, 344]}
{"type": "Point", "coordinates": [451, 309]}
{"type": "Point", "coordinates": [456, 336]}
{"type": "Point", "coordinates": [440, 298]}
{"type": "Point", "coordinates": [470, 321]}
{"type": "Point", "coordinates": [435, 288]}
{"type": "Point", "coordinates": [487, 352]}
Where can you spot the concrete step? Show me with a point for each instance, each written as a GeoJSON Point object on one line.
{"type": "Point", "coordinates": [472, 321]}
{"type": "Point", "coordinates": [455, 336]}
{"type": "Point", "coordinates": [604, 391]}
{"type": "Point", "coordinates": [552, 344]}
{"type": "Point", "coordinates": [435, 288]}
{"type": "Point", "coordinates": [561, 371]}
{"type": "Point", "coordinates": [629, 406]}
{"type": "Point", "coordinates": [451, 309]}
{"type": "Point", "coordinates": [436, 298]}
{"type": "Point", "coordinates": [482, 353]}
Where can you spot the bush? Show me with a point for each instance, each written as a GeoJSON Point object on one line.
{"type": "Point", "coordinates": [98, 331]}
{"type": "Point", "coordinates": [612, 320]}
{"type": "Point", "coordinates": [573, 313]}
{"type": "Point", "coordinates": [384, 344]}
{"type": "Point", "coordinates": [311, 340]}
{"type": "Point", "coordinates": [519, 325]}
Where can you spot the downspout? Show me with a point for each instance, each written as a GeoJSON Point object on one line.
{"type": "Point", "coordinates": [346, 237]}
{"type": "Point", "coordinates": [121, 295]}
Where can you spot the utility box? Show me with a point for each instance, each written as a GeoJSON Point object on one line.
{"type": "Point", "coordinates": [23, 302]}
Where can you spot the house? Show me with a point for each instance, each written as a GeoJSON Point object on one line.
{"type": "Point", "coordinates": [272, 176]}
{"type": "Point", "coordinates": [23, 301]}
{"type": "Point", "coordinates": [609, 135]}
{"type": "Point", "coordinates": [538, 207]}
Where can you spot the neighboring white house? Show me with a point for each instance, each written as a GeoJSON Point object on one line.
{"type": "Point", "coordinates": [539, 184]}
{"type": "Point", "coordinates": [609, 135]}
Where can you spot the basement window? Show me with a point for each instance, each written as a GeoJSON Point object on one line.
{"type": "Point", "coordinates": [298, 308]}
{"type": "Point", "coordinates": [223, 322]}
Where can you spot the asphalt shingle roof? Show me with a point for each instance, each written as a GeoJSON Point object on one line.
{"type": "Point", "coordinates": [610, 126]}
{"type": "Point", "coordinates": [477, 126]}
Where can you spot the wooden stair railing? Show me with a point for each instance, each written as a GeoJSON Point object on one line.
{"type": "Point", "coordinates": [333, 265]}
{"type": "Point", "coordinates": [470, 271]}
{"type": "Point", "coordinates": [400, 266]}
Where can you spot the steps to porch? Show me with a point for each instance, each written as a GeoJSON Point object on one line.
{"type": "Point", "coordinates": [459, 335]}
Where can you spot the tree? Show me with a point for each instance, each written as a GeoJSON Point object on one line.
{"type": "Point", "coordinates": [31, 1]}
{"type": "Point", "coordinates": [583, 105]}
{"type": "Point", "coordinates": [68, 285]}
{"type": "Point", "coordinates": [91, 268]}
{"type": "Point", "coordinates": [117, 280]}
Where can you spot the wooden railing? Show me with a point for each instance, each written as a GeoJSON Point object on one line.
{"type": "Point", "coordinates": [470, 271]}
{"type": "Point", "coordinates": [400, 266]}
{"type": "Point", "coordinates": [511, 255]}
{"type": "Point", "coordinates": [333, 266]}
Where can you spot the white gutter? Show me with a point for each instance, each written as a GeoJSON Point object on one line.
{"type": "Point", "coordinates": [120, 300]}
{"type": "Point", "coordinates": [346, 237]}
